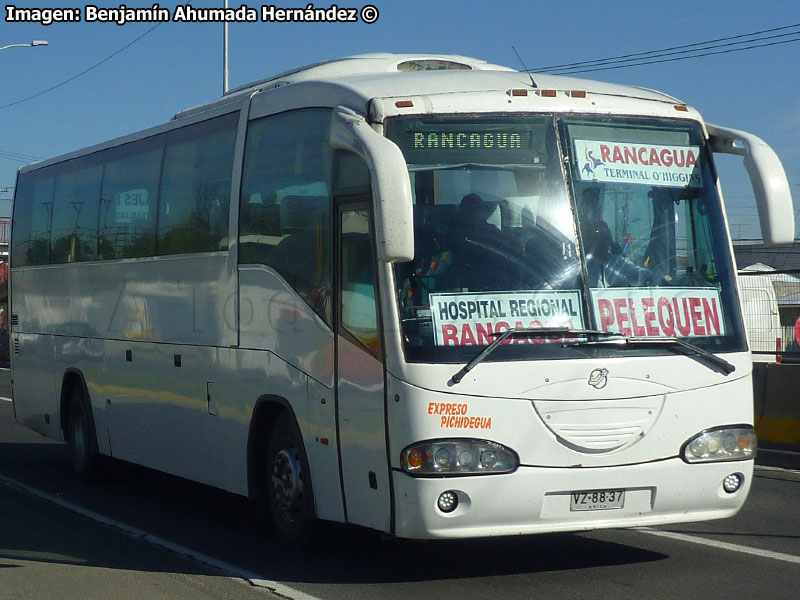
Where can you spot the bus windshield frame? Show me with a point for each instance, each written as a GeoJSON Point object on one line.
{"type": "Point", "coordinates": [608, 223]}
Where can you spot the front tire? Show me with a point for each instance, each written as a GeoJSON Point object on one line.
{"type": "Point", "coordinates": [81, 437]}
{"type": "Point", "coordinates": [289, 498]}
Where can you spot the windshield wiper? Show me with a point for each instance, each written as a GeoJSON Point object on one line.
{"type": "Point", "coordinates": [690, 348]}
{"type": "Point", "coordinates": [517, 332]}
{"type": "Point", "coordinates": [672, 342]}
{"type": "Point", "coordinates": [592, 334]}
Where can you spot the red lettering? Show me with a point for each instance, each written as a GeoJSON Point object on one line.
{"type": "Point", "coordinates": [642, 158]}
{"type": "Point", "coordinates": [619, 305]}
{"type": "Point", "coordinates": [684, 328]}
{"type": "Point", "coordinates": [711, 316]}
{"type": "Point", "coordinates": [449, 335]}
{"type": "Point", "coordinates": [535, 339]}
{"type": "Point", "coordinates": [484, 333]}
{"type": "Point", "coordinates": [697, 316]}
{"type": "Point", "coordinates": [606, 313]}
{"type": "Point", "coordinates": [654, 157]}
{"type": "Point", "coordinates": [523, 339]}
{"type": "Point", "coordinates": [668, 323]}
{"type": "Point", "coordinates": [467, 337]}
{"type": "Point", "coordinates": [630, 156]}
{"type": "Point", "coordinates": [680, 158]}
{"type": "Point", "coordinates": [666, 157]}
{"type": "Point", "coordinates": [638, 330]}
{"type": "Point", "coordinates": [649, 316]}
{"type": "Point", "coordinates": [605, 153]}
{"type": "Point", "coordinates": [690, 159]}
{"type": "Point", "coordinates": [430, 407]}
{"type": "Point", "coordinates": [617, 155]}
{"type": "Point", "coordinates": [502, 326]}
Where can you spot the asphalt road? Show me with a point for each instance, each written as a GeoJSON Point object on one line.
{"type": "Point", "coordinates": [140, 534]}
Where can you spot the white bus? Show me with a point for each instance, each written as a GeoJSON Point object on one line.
{"type": "Point", "coordinates": [422, 294]}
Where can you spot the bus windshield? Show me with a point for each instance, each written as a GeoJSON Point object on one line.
{"type": "Point", "coordinates": [611, 224]}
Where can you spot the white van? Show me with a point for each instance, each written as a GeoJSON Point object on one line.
{"type": "Point", "coordinates": [760, 310]}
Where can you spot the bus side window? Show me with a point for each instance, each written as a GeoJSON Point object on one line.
{"type": "Point", "coordinates": [358, 312]}
{"type": "Point", "coordinates": [33, 205]}
{"type": "Point", "coordinates": [128, 200]}
{"type": "Point", "coordinates": [196, 187]}
{"type": "Point", "coordinates": [284, 217]}
{"type": "Point", "coordinates": [75, 211]}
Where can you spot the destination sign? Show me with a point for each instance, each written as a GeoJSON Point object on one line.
{"type": "Point", "coordinates": [507, 139]}
{"type": "Point", "coordinates": [476, 140]}
{"type": "Point", "coordinates": [473, 319]}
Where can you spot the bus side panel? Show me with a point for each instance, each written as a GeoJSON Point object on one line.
{"type": "Point", "coordinates": [321, 449]}
{"type": "Point", "coordinates": [274, 317]}
{"type": "Point", "coordinates": [176, 299]}
{"type": "Point", "coordinates": [84, 356]}
{"type": "Point", "coordinates": [36, 400]}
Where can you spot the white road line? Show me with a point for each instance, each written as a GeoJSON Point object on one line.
{"type": "Point", "coordinates": [230, 570]}
{"type": "Point", "coordinates": [6, 399]}
{"type": "Point", "coordinates": [694, 539]}
{"type": "Point", "coordinates": [777, 469]}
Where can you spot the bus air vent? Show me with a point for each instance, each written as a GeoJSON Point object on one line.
{"type": "Point", "coordinates": [432, 65]}
{"type": "Point", "coordinates": [601, 425]}
{"type": "Point", "coordinates": [16, 346]}
{"type": "Point", "coordinates": [14, 319]}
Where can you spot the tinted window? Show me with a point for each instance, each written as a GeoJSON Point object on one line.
{"type": "Point", "coordinates": [74, 226]}
{"type": "Point", "coordinates": [129, 200]}
{"type": "Point", "coordinates": [284, 220]}
{"type": "Point", "coordinates": [32, 206]}
{"type": "Point", "coordinates": [196, 187]}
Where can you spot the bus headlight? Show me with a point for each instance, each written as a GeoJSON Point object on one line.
{"type": "Point", "coordinates": [723, 443]}
{"type": "Point", "coordinates": [458, 457]}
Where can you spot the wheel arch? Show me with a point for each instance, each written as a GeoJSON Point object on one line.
{"type": "Point", "coordinates": [265, 412]}
{"type": "Point", "coordinates": [72, 377]}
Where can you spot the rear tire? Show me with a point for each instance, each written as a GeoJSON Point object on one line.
{"type": "Point", "coordinates": [287, 485]}
{"type": "Point", "coordinates": [81, 437]}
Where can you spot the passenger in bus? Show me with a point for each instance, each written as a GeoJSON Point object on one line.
{"type": "Point", "coordinates": [474, 214]}
{"type": "Point", "coordinates": [606, 264]}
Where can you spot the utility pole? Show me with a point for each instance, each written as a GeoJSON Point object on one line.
{"type": "Point", "coordinates": [225, 54]}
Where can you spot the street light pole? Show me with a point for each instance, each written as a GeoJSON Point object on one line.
{"type": "Point", "coordinates": [225, 54]}
{"type": "Point", "coordinates": [31, 45]}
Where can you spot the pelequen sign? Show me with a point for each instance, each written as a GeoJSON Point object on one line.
{"type": "Point", "coordinates": [660, 312]}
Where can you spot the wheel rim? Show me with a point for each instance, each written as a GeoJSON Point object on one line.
{"type": "Point", "coordinates": [287, 483]}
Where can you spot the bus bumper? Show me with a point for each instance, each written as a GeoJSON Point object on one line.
{"type": "Point", "coordinates": [538, 500]}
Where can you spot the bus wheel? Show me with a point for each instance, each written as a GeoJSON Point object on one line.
{"type": "Point", "coordinates": [80, 436]}
{"type": "Point", "coordinates": [288, 489]}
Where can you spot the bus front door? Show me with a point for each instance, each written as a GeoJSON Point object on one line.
{"type": "Point", "coordinates": [360, 372]}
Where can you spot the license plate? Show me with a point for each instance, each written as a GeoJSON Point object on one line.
{"type": "Point", "coordinates": [597, 500]}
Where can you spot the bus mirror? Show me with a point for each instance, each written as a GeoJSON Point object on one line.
{"type": "Point", "coordinates": [770, 185]}
{"type": "Point", "coordinates": [391, 187]}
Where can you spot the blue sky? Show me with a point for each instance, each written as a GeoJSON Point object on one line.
{"type": "Point", "coordinates": [179, 65]}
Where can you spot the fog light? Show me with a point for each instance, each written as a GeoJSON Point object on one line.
{"type": "Point", "coordinates": [448, 502]}
{"type": "Point", "coordinates": [732, 482]}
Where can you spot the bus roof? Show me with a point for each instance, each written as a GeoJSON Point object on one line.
{"type": "Point", "coordinates": [389, 75]}
{"type": "Point", "coordinates": [449, 83]}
